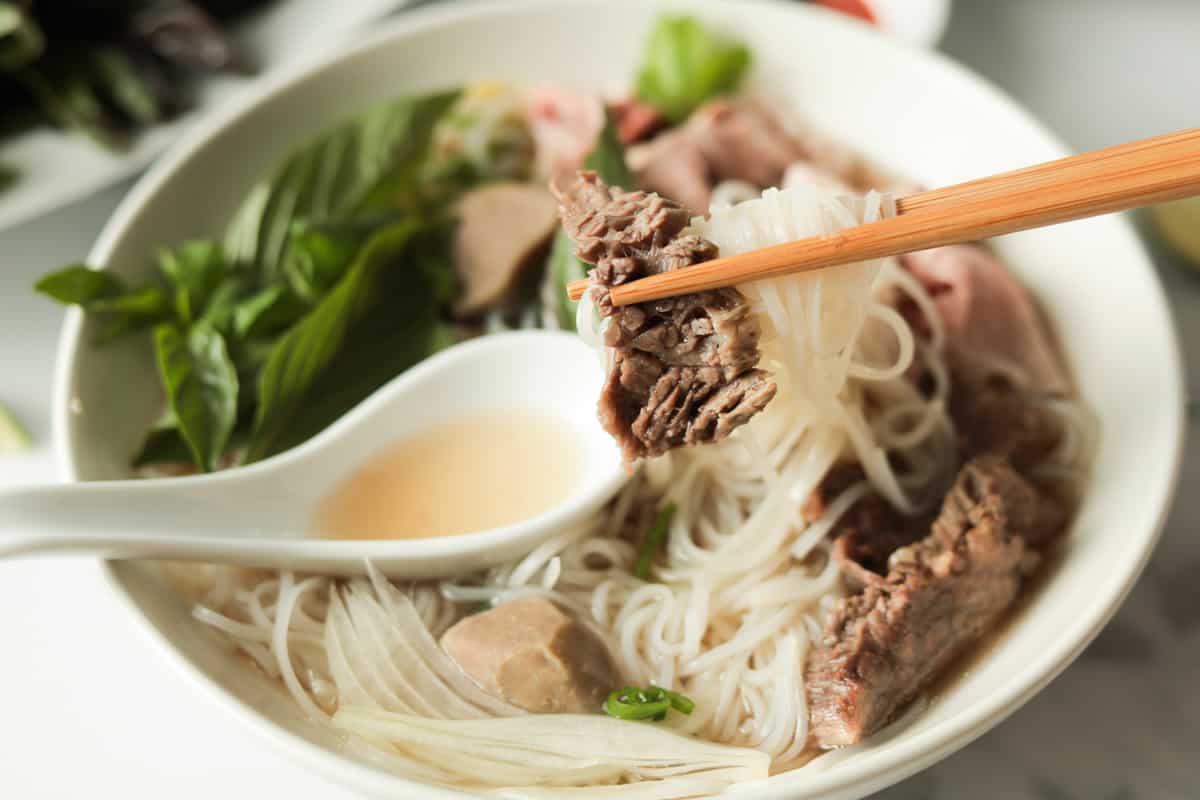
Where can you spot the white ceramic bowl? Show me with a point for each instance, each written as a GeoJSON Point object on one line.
{"type": "Point", "coordinates": [908, 109]}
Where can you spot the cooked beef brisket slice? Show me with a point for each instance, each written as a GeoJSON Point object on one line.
{"type": "Point", "coordinates": [867, 535]}
{"type": "Point", "coordinates": [867, 532]}
{"type": "Point", "coordinates": [684, 368]}
{"type": "Point", "coordinates": [993, 417]}
{"type": "Point", "coordinates": [939, 594]}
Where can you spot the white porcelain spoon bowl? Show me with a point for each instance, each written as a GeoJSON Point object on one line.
{"type": "Point", "coordinates": [262, 514]}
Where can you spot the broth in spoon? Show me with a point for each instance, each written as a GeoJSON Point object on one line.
{"type": "Point", "coordinates": [469, 474]}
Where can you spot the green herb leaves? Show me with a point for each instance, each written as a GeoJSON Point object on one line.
{"type": "Point", "coordinates": [652, 703]}
{"type": "Point", "coordinates": [686, 64]}
{"type": "Point", "coordinates": [306, 350]}
{"type": "Point", "coordinates": [350, 172]}
{"type": "Point", "coordinates": [194, 270]}
{"type": "Point", "coordinates": [201, 385]}
{"type": "Point", "coordinates": [332, 280]}
{"type": "Point", "coordinates": [122, 309]}
{"type": "Point", "coordinates": [79, 285]}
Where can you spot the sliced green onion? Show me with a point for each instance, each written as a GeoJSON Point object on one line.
{"type": "Point", "coordinates": [654, 541]}
{"type": "Point", "coordinates": [652, 702]}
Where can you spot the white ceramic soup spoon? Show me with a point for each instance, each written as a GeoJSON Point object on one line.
{"type": "Point", "coordinates": [262, 514]}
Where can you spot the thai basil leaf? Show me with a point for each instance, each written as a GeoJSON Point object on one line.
{"type": "Point", "coordinates": [390, 339]}
{"type": "Point", "coordinates": [79, 285]}
{"type": "Point", "coordinates": [163, 443]}
{"type": "Point", "coordinates": [432, 257]}
{"type": "Point", "coordinates": [608, 160]}
{"type": "Point", "coordinates": [351, 170]}
{"type": "Point", "coordinates": [100, 292]}
{"type": "Point", "coordinates": [686, 64]}
{"type": "Point", "coordinates": [267, 311]}
{"type": "Point", "coordinates": [194, 271]}
{"type": "Point", "coordinates": [129, 312]}
{"type": "Point", "coordinates": [401, 328]}
{"type": "Point", "coordinates": [201, 386]}
{"type": "Point", "coordinates": [149, 301]}
{"type": "Point", "coordinates": [222, 303]}
{"type": "Point", "coordinates": [318, 257]}
{"type": "Point", "coordinates": [308, 349]}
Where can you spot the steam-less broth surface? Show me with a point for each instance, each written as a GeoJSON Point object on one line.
{"type": "Point", "coordinates": [473, 473]}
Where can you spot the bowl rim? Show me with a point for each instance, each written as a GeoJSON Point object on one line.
{"type": "Point", "coordinates": [917, 751]}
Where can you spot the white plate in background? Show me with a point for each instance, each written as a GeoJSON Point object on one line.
{"type": "Point", "coordinates": [57, 167]}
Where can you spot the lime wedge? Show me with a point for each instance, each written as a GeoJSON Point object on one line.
{"type": "Point", "coordinates": [12, 435]}
{"type": "Point", "coordinates": [1179, 223]}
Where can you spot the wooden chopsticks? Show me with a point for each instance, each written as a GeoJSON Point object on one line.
{"type": "Point", "coordinates": [1112, 179]}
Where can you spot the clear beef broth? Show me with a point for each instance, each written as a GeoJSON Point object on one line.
{"type": "Point", "coordinates": [471, 474]}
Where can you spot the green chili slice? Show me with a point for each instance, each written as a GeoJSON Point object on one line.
{"type": "Point", "coordinates": [652, 702]}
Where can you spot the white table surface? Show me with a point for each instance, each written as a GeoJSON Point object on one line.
{"type": "Point", "coordinates": [88, 709]}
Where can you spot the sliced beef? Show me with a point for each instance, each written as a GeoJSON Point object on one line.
{"type": "Point", "coordinates": [936, 597]}
{"type": "Point", "coordinates": [867, 532]}
{"type": "Point", "coordinates": [503, 228]}
{"type": "Point", "coordinates": [742, 140]}
{"type": "Point", "coordinates": [996, 417]}
{"type": "Point", "coordinates": [531, 654]}
{"type": "Point", "coordinates": [1002, 355]}
{"type": "Point", "coordinates": [683, 369]}
{"type": "Point", "coordinates": [722, 140]}
{"type": "Point", "coordinates": [564, 124]}
{"type": "Point", "coordinates": [636, 120]}
{"type": "Point", "coordinates": [996, 334]}
{"type": "Point", "coordinates": [841, 477]}
{"type": "Point", "coordinates": [1032, 514]}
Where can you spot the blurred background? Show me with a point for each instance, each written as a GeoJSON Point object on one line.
{"type": "Point", "coordinates": [1122, 723]}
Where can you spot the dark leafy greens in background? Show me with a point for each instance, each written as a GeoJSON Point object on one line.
{"type": "Point", "coordinates": [107, 68]}
{"type": "Point", "coordinates": [686, 64]}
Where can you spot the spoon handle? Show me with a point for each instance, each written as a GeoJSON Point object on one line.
{"type": "Point", "coordinates": [168, 518]}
